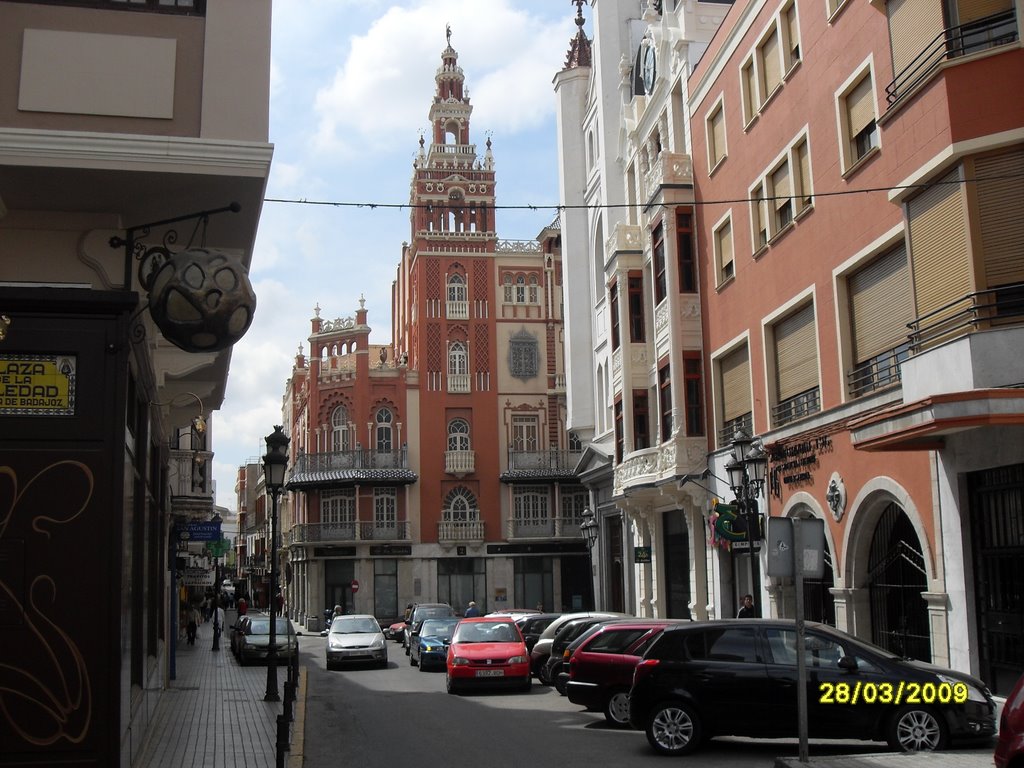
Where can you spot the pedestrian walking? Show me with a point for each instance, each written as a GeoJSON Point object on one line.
{"type": "Point", "coordinates": [747, 609]}
{"type": "Point", "coordinates": [471, 610]}
{"type": "Point", "coordinates": [192, 619]}
{"type": "Point", "coordinates": [243, 606]}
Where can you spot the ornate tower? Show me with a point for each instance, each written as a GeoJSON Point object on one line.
{"type": "Point", "coordinates": [445, 323]}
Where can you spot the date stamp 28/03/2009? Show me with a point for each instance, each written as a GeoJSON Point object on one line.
{"type": "Point", "coordinates": [903, 692]}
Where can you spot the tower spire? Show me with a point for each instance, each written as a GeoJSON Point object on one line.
{"type": "Point", "coordinates": [579, 54]}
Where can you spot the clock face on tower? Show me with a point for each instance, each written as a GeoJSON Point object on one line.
{"type": "Point", "coordinates": [650, 68]}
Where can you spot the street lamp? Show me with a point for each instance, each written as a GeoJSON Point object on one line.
{"type": "Point", "coordinates": [216, 520]}
{"type": "Point", "coordinates": [747, 471]}
{"type": "Point", "coordinates": [275, 462]}
{"type": "Point", "coordinates": [589, 529]}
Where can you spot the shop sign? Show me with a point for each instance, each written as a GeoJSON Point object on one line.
{"type": "Point", "coordinates": [197, 577]}
{"type": "Point", "coordinates": [793, 463]}
{"type": "Point", "coordinates": [641, 554]}
{"type": "Point", "coordinates": [37, 385]}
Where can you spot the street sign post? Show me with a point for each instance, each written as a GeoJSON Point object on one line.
{"type": "Point", "coordinates": [355, 586]}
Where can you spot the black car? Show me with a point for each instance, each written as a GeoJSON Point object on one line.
{"type": "Point", "coordinates": [419, 612]}
{"type": "Point", "coordinates": [738, 678]}
{"type": "Point", "coordinates": [531, 626]}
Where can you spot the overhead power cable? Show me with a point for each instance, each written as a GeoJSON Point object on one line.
{"type": "Point", "coordinates": [586, 206]}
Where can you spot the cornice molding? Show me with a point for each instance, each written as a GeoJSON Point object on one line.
{"type": "Point", "coordinates": [118, 151]}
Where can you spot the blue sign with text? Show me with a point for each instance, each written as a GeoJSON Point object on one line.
{"type": "Point", "coordinates": [200, 532]}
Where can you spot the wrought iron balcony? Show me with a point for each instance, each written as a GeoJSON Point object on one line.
{"type": "Point", "coordinates": [973, 312]}
{"type": "Point", "coordinates": [551, 460]}
{"type": "Point", "coordinates": [545, 528]}
{"type": "Point", "coordinates": [322, 533]}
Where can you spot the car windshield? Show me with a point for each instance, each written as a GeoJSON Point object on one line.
{"type": "Point", "coordinates": [262, 627]}
{"type": "Point", "coordinates": [438, 627]}
{"type": "Point", "coordinates": [345, 625]}
{"type": "Point", "coordinates": [486, 632]}
{"type": "Point", "coordinates": [434, 611]}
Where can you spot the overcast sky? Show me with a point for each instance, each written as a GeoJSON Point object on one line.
{"type": "Point", "coordinates": [351, 86]}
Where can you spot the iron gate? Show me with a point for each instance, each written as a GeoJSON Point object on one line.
{"type": "Point", "coordinates": [997, 533]}
{"type": "Point", "coordinates": [896, 579]}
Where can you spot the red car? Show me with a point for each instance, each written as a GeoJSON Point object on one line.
{"type": "Point", "coordinates": [1010, 746]}
{"type": "Point", "coordinates": [487, 651]}
{"type": "Point", "coordinates": [601, 668]}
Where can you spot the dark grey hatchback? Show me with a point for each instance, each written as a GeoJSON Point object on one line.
{"type": "Point", "coordinates": [738, 678]}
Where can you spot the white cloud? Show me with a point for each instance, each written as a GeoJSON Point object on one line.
{"type": "Point", "coordinates": [380, 93]}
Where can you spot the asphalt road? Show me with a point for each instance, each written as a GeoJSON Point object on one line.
{"type": "Point", "coordinates": [364, 717]}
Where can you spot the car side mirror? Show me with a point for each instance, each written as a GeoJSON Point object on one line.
{"type": "Point", "coordinates": [848, 663]}
{"type": "Point", "coordinates": [323, 633]}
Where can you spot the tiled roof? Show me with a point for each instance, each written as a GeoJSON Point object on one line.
{"type": "Point", "coordinates": [366, 475]}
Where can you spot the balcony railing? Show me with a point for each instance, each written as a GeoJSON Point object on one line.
{"type": "Point", "coordinates": [458, 382]}
{"type": "Point", "coordinates": [552, 459]}
{"type": "Point", "coordinates": [460, 530]}
{"type": "Point", "coordinates": [457, 310]}
{"type": "Point", "coordinates": [996, 306]}
{"type": "Point", "coordinates": [998, 29]}
{"type": "Point", "coordinates": [797, 407]}
{"type": "Point", "coordinates": [359, 458]}
{"type": "Point", "coordinates": [316, 533]}
{"type": "Point", "coordinates": [729, 429]}
{"type": "Point", "coordinates": [878, 372]}
{"type": "Point", "coordinates": [546, 528]}
{"type": "Point", "coordinates": [459, 462]}
{"type": "Point", "coordinates": [190, 475]}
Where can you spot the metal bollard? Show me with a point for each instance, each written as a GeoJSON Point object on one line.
{"type": "Point", "coordinates": [282, 733]}
{"type": "Point", "coordinates": [289, 697]}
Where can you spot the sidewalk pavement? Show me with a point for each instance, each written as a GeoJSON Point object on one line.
{"type": "Point", "coordinates": [980, 757]}
{"type": "Point", "coordinates": [213, 714]}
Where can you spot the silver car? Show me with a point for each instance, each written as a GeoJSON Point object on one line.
{"type": "Point", "coordinates": [356, 638]}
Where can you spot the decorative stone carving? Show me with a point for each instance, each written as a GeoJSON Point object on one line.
{"type": "Point", "coordinates": [835, 496]}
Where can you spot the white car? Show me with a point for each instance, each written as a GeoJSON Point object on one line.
{"type": "Point", "coordinates": [356, 638]}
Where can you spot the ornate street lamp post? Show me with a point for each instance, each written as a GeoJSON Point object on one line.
{"type": "Point", "coordinates": [275, 462]}
{"type": "Point", "coordinates": [746, 478]}
{"type": "Point", "coordinates": [589, 529]}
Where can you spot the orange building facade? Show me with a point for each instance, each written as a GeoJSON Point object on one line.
{"type": "Point", "coordinates": [438, 467]}
{"type": "Point", "coordinates": [857, 169]}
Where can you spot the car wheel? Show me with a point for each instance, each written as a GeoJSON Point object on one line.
{"type": "Point", "coordinates": [917, 729]}
{"type": "Point", "coordinates": [616, 709]}
{"type": "Point", "coordinates": [674, 729]}
{"type": "Point", "coordinates": [449, 685]}
{"type": "Point", "coordinates": [413, 662]}
{"type": "Point", "coordinates": [527, 685]}
{"type": "Point", "coordinates": [383, 663]}
{"type": "Point", "coordinates": [544, 674]}
{"type": "Point", "coordinates": [560, 683]}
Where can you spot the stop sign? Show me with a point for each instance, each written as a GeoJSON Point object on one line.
{"type": "Point", "coordinates": [355, 586]}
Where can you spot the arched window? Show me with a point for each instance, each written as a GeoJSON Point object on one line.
{"type": "Point", "coordinates": [384, 420]}
{"type": "Point", "coordinates": [520, 289]}
{"type": "Point", "coordinates": [458, 435]}
{"type": "Point", "coordinates": [460, 505]}
{"type": "Point", "coordinates": [458, 359]}
{"type": "Point", "coordinates": [340, 434]}
{"type": "Point", "coordinates": [456, 288]}
{"type": "Point", "coordinates": [507, 282]}
{"type": "Point", "coordinates": [533, 289]}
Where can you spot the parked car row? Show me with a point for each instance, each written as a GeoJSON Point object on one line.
{"type": "Point", "coordinates": [683, 682]}
{"type": "Point", "coordinates": [250, 638]}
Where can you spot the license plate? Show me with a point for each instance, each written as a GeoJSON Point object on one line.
{"type": "Point", "coordinates": [490, 673]}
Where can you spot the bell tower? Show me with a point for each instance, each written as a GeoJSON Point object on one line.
{"type": "Point", "coordinates": [445, 319]}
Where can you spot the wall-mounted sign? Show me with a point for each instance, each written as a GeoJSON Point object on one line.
{"type": "Point", "coordinates": [200, 532]}
{"type": "Point", "coordinates": [794, 463]}
{"type": "Point", "coordinates": [641, 554]}
{"type": "Point", "coordinates": [196, 577]}
{"type": "Point", "coordinates": [37, 385]}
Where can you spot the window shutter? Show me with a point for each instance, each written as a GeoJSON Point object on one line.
{"type": "Point", "coordinates": [771, 63]}
{"type": "Point", "coordinates": [880, 305]}
{"type": "Point", "coordinates": [938, 247]}
{"type": "Point", "coordinates": [1001, 211]}
{"type": "Point", "coordinates": [913, 25]}
{"type": "Point", "coordinates": [735, 368]}
{"type": "Point", "coordinates": [860, 106]}
{"type": "Point", "coordinates": [718, 135]}
{"type": "Point", "coordinates": [971, 10]}
{"type": "Point", "coordinates": [780, 185]}
{"type": "Point", "coordinates": [725, 248]}
{"type": "Point", "coordinates": [751, 99]}
{"type": "Point", "coordinates": [803, 159]}
{"type": "Point", "coordinates": [794, 31]}
{"type": "Point", "coordinates": [796, 353]}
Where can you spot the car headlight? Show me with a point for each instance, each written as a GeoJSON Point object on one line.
{"type": "Point", "coordinates": [459, 661]}
{"type": "Point", "coordinates": [973, 693]}
{"type": "Point", "coordinates": [517, 660]}
{"type": "Point", "coordinates": [428, 648]}
{"type": "Point", "coordinates": [377, 643]}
